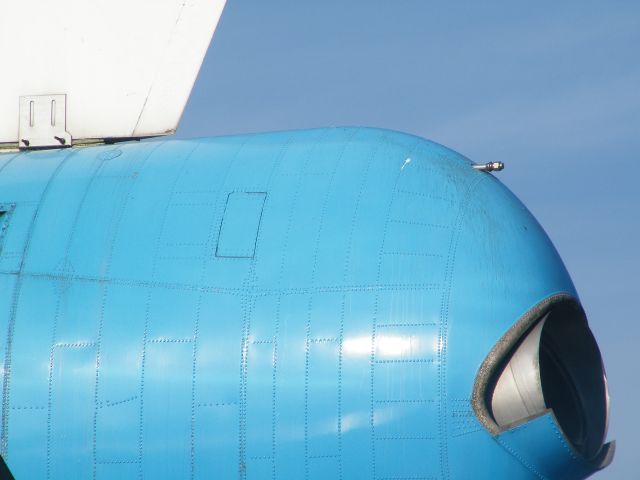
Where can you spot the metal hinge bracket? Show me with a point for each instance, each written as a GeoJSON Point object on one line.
{"type": "Point", "coordinates": [43, 122]}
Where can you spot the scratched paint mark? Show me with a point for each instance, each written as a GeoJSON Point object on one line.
{"type": "Point", "coordinates": [406, 162]}
{"type": "Point", "coordinates": [110, 154]}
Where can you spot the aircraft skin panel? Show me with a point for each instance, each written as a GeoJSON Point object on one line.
{"type": "Point", "coordinates": [311, 304]}
{"type": "Point", "coordinates": [7, 286]}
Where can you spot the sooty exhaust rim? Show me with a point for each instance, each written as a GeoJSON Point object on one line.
{"type": "Point", "coordinates": [571, 374]}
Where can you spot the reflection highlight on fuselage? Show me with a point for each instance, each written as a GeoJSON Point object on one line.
{"type": "Point", "coordinates": [390, 346]}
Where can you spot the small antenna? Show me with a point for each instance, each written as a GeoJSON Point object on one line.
{"type": "Point", "coordinates": [489, 167]}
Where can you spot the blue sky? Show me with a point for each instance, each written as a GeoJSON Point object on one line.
{"type": "Point", "coordinates": [550, 88]}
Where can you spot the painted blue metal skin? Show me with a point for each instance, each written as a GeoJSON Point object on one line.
{"type": "Point", "coordinates": [299, 305]}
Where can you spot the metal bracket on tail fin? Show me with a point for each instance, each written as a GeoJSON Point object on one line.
{"type": "Point", "coordinates": [43, 122]}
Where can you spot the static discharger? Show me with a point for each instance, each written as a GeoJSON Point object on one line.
{"type": "Point", "coordinates": [489, 167]}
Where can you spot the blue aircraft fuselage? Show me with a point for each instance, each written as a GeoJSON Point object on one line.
{"type": "Point", "coordinates": [299, 305]}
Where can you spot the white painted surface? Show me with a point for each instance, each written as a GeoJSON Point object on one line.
{"type": "Point", "coordinates": [126, 66]}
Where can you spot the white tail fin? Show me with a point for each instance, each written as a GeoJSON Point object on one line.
{"type": "Point", "coordinates": [126, 66]}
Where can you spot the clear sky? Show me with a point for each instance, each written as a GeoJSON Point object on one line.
{"type": "Point", "coordinates": [550, 88]}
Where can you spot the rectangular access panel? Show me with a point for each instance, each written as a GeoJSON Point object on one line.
{"type": "Point", "coordinates": [240, 224]}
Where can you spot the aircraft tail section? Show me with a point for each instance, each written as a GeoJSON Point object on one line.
{"type": "Point", "coordinates": [96, 70]}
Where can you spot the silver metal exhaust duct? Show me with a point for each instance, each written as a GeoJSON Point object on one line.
{"type": "Point", "coordinates": [518, 392]}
